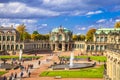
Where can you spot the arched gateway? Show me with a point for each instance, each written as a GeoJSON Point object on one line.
{"type": "Point", "coordinates": [61, 39]}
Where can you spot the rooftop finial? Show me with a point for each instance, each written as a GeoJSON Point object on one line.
{"type": "Point", "coordinates": [60, 26]}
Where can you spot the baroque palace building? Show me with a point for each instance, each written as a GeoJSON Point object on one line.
{"type": "Point", "coordinates": [60, 40]}
{"type": "Point", "coordinates": [113, 57]}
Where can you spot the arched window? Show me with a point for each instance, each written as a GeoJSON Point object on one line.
{"type": "Point", "coordinates": [97, 47]}
{"type": "Point", "coordinates": [16, 47]}
{"type": "Point", "coordinates": [0, 47]}
{"type": "Point", "coordinates": [8, 47]}
{"type": "Point", "coordinates": [8, 38]}
{"type": "Point", "coordinates": [3, 47]}
{"type": "Point", "coordinates": [101, 39]}
{"type": "Point", "coordinates": [97, 39]}
{"type": "Point", "coordinates": [92, 47]}
{"type": "Point", "coordinates": [88, 47]}
{"type": "Point", "coordinates": [0, 38]}
{"type": "Point", "coordinates": [12, 47]}
{"type": "Point", "coordinates": [21, 46]}
{"type": "Point", "coordinates": [3, 38]}
{"type": "Point", "coordinates": [12, 38]}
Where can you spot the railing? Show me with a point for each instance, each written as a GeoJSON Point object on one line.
{"type": "Point", "coordinates": [114, 47]}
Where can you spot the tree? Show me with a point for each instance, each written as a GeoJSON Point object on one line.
{"type": "Point", "coordinates": [74, 37]}
{"type": "Point", "coordinates": [82, 37]}
{"type": "Point", "coordinates": [46, 36]}
{"type": "Point", "coordinates": [26, 36]}
{"type": "Point", "coordinates": [117, 25]}
{"type": "Point", "coordinates": [89, 35]}
{"type": "Point", "coordinates": [21, 29]}
{"type": "Point", "coordinates": [35, 32]}
{"type": "Point", "coordinates": [33, 36]}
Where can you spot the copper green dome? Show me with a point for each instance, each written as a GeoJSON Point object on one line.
{"type": "Point", "coordinates": [60, 28]}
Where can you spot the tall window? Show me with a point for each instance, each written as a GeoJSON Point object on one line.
{"type": "Point", "coordinates": [88, 47]}
{"type": "Point", "coordinates": [21, 46]}
{"type": "Point", "coordinates": [8, 47]}
{"type": "Point", "coordinates": [3, 38]}
{"type": "Point", "coordinates": [12, 38]}
{"type": "Point", "coordinates": [105, 39]}
{"type": "Point", "coordinates": [101, 39]}
{"type": "Point", "coordinates": [0, 38]}
{"type": "Point", "coordinates": [92, 47]}
{"type": "Point", "coordinates": [0, 47]}
{"type": "Point", "coordinates": [16, 47]}
{"type": "Point", "coordinates": [12, 47]}
{"type": "Point", "coordinates": [8, 38]}
{"type": "Point", "coordinates": [97, 39]}
{"type": "Point", "coordinates": [97, 48]}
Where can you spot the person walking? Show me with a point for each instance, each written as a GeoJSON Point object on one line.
{"type": "Point", "coordinates": [15, 76]}
{"type": "Point", "coordinates": [29, 73]}
{"type": "Point", "coordinates": [4, 78]}
{"type": "Point", "coordinates": [39, 62]}
{"type": "Point", "coordinates": [21, 74]}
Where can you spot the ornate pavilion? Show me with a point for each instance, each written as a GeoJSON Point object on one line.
{"type": "Point", "coordinates": [60, 40]}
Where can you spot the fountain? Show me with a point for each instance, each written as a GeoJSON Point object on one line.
{"type": "Point", "coordinates": [71, 59]}
{"type": "Point", "coordinates": [71, 65]}
{"type": "Point", "coordinates": [20, 54]}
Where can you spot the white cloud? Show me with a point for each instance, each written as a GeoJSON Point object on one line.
{"type": "Point", "coordinates": [101, 21]}
{"type": "Point", "coordinates": [117, 20]}
{"type": "Point", "coordinates": [94, 12]}
{"type": "Point", "coordinates": [44, 25]}
{"type": "Point", "coordinates": [21, 10]}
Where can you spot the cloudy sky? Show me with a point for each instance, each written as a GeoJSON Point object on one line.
{"type": "Point", "coordinates": [44, 15]}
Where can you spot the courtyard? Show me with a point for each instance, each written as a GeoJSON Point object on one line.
{"type": "Point", "coordinates": [42, 71]}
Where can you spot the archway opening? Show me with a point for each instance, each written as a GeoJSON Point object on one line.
{"type": "Point", "coordinates": [66, 46]}
{"type": "Point", "coordinates": [60, 46]}
{"type": "Point", "coordinates": [53, 47]}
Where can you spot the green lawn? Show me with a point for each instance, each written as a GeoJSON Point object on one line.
{"type": "Point", "coordinates": [96, 58]}
{"type": "Point", "coordinates": [2, 72]}
{"type": "Point", "coordinates": [17, 57]}
{"type": "Point", "coordinates": [82, 73]}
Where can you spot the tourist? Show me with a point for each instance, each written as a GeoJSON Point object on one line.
{"type": "Point", "coordinates": [10, 77]}
{"type": "Point", "coordinates": [39, 62]}
{"type": "Point", "coordinates": [29, 73]}
{"type": "Point", "coordinates": [99, 61]}
{"type": "Point", "coordinates": [4, 78]}
{"type": "Point", "coordinates": [21, 74]}
{"type": "Point", "coordinates": [15, 76]}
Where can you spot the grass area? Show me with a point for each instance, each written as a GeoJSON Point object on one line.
{"type": "Point", "coordinates": [17, 57]}
{"type": "Point", "coordinates": [82, 73]}
{"type": "Point", "coordinates": [96, 58]}
{"type": "Point", "coordinates": [2, 72]}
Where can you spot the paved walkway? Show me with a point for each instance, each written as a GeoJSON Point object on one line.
{"type": "Point", "coordinates": [40, 68]}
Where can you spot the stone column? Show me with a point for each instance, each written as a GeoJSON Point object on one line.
{"type": "Point", "coordinates": [63, 46]}
{"type": "Point", "coordinates": [68, 47]}
{"type": "Point", "coordinates": [14, 38]}
{"type": "Point", "coordinates": [51, 46]}
{"type": "Point", "coordinates": [1, 47]}
{"type": "Point", "coordinates": [117, 72]}
{"type": "Point", "coordinates": [56, 46]}
{"type": "Point", "coordinates": [1, 37]}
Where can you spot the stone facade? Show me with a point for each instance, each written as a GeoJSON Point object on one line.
{"type": "Point", "coordinates": [60, 40]}
{"type": "Point", "coordinates": [9, 39]}
{"type": "Point", "coordinates": [113, 57]}
{"type": "Point", "coordinates": [102, 37]}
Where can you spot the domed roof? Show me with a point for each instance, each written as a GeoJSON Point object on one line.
{"type": "Point", "coordinates": [64, 30]}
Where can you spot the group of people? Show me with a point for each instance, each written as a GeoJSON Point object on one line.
{"type": "Point", "coordinates": [11, 77]}
{"type": "Point", "coordinates": [24, 69]}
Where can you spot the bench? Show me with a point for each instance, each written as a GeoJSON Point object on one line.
{"type": "Point", "coordinates": [58, 77]}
